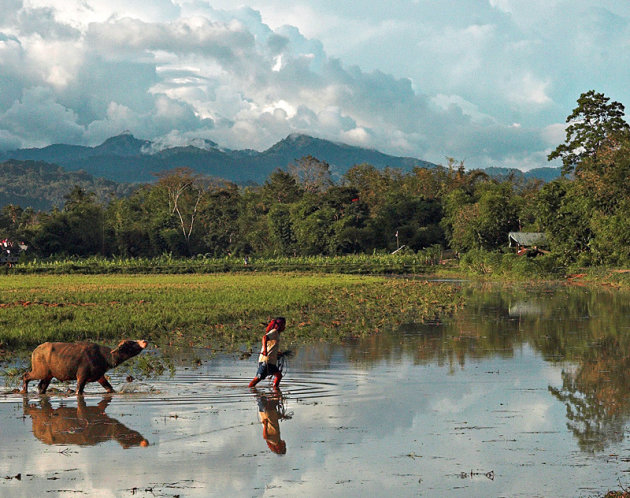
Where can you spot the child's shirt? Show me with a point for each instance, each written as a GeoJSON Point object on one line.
{"type": "Point", "coordinates": [273, 341]}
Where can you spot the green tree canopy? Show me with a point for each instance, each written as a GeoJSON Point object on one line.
{"type": "Point", "coordinates": [591, 123]}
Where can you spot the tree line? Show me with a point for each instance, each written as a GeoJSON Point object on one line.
{"type": "Point", "coordinates": [304, 211]}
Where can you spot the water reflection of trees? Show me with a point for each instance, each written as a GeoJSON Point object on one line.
{"type": "Point", "coordinates": [586, 330]}
{"type": "Point", "coordinates": [596, 392]}
{"type": "Point", "coordinates": [592, 334]}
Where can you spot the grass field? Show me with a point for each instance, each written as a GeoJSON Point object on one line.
{"type": "Point", "coordinates": [222, 311]}
{"type": "Point", "coordinates": [402, 263]}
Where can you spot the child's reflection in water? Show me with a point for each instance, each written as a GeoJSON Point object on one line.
{"type": "Point", "coordinates": [271, 410]}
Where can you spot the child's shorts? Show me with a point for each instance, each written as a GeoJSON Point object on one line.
{"type": "Point", "coordinates": [266, 369]}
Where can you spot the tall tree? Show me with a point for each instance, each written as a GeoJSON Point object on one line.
{"type": "Point", "coordinates": [594, 121]}
{"type": "Point", "coordinates": [565, 215]}
{"type": "Point", "coordinates": [253, 223]}
{"type": "Point", "coordinates": [483, 220]}
{"type": "Point", "coordinates": [281, 187]}
{"type": "Point", "coordinates": [372, 184]}
{"type": "Point", "coordinates": [414, 218]}
{"type": "Point", "coordinates": [184, 190]}
{"type": "Point", "coordinates": [10, 216]}
{"type": "Point", "coordinates": [86, 222]}
{"type": "Point", "coordinates": [312, 225]}
{"type": "Point", "coordinates": [312, 174]}
{"type": "Point", "coordinates": [281, 232]}
{"type": "Point", "coordinates": [79, 229]}
{"type": "Point", "coordinates": [218, 218]}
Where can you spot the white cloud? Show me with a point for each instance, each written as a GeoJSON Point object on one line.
{"type": "Point", "coordinates": [358, 136]}
{"type": "Point", "coordinates": [247, 77]}
{"type": "Point", "coordinates": [285, 108]}
{"type": "Point", "coordinates": [179, 139]}
{"type": "Point", "coordinates": [55, 122]}
{"type": "Point", "coordinates": [56, 62]}
{"type": "Point", "coordinates": [8, 140]}
{"type": "Point", "coordinates": [447, 102]}
{"type": "Point", "coordinates": [527, 90]}
{"type": "Point", "coordinates": [554, 134]}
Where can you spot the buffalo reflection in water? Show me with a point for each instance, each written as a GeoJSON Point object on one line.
{"type": "Point", "coordinates": [82, 426]}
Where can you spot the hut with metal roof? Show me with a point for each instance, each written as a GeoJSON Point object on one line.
{"type": "Point", "coordinates": [528, 243]}
{"type": "Point", "coordinates": [527, 239]}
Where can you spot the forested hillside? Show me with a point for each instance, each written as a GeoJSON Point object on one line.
{"type": "Point", "coordinates": [305, 210]}
{"type": "Point", "coordinates": [42, 186]}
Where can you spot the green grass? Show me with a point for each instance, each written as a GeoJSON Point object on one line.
{"type": "Point", "coordinates": [220, 311]}
{"type": "Point", "coordinates": [509, 266]}
{"type": "Point", "coordinates": [612, 277]}
{"type": "Point", "coordinates": [402, 263]}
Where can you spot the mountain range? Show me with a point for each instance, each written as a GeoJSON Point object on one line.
{"type": "Point", "coordinates": [125, 158]}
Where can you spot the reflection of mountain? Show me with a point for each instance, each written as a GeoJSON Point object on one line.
{"type": "Point", "coordinates": [83, 425]}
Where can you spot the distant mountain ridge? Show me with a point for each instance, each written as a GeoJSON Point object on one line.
{"type": "Point", "coordinates": [127, 159]}
{"type": "Point", "coordinates": [124, 158]}
{"type": "Point", "coordinates": [545, 174]}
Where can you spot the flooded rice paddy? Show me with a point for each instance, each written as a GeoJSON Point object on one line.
{"type": "Point", "coordinates": [525, 392]}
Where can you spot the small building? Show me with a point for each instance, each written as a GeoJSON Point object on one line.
{"type": "Point", "coordinates": [528, 242]}
{"type": "Point", "coordinates": [10, 252]}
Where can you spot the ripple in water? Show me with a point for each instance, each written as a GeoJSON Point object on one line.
{"type": "Point", "coordinates": [197, 387]}
{"type": "Point", "coordinates": [201, 388]}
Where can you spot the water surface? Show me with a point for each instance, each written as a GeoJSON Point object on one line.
{"type": "Point", "coordinates": [523, 393]}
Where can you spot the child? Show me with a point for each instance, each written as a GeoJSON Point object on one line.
{"type": "Point", "coordinates": [268, 359]}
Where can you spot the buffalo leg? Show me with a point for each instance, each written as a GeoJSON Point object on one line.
{"type": "Point", "coordinates": [43, 385]}
{"type": "Point", "coordinates": [26, 378]}
{"type": "Point", "coordinates": [103, 382]}
{"type": "Point", "coordinates": [81, 381]}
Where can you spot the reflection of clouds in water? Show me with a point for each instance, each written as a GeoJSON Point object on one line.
{"type": "Point", "coordinates": [537, 416]}
{"type": "Point", "coordinates": [453, 406]}
{"type": "Point", "coordinates": [361, 437]}
{"type": "Point", "coordinates": [552, 374]}
{"type": "Point", "coordinates": [29, 456]}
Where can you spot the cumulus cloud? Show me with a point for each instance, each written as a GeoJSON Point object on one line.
{"type": "Point", "coordinates": [181, 70]}
{"type": "Point", "coordinates": [176, 138]}
{"type": "Point", "coordinates": [38, 119]}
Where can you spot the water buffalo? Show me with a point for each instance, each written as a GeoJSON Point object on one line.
{"type": "Point", "coordinates": [83, 361]}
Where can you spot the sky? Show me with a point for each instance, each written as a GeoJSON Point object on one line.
{"type": "Point", "coordinates": [487, 82]}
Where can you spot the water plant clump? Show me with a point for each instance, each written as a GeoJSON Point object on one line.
{"type": "Point", "coordinates": [219, 310]}
{"type": "Point", "coordinates": [12, 376]}
{"type": "Point", "coordinates": [150, 366]}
